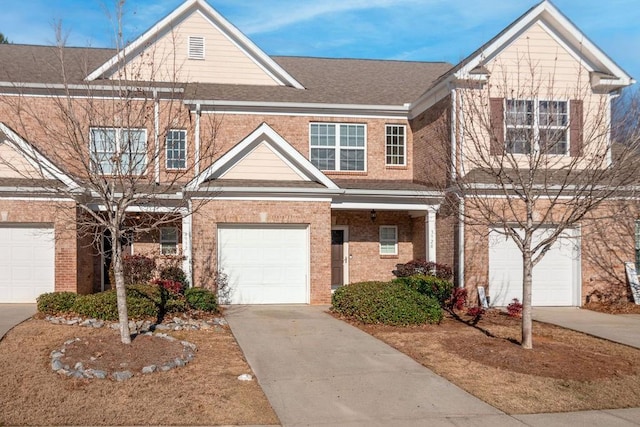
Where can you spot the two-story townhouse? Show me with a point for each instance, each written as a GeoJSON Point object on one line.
{"type": "Point", "coordinates": [300, 174]}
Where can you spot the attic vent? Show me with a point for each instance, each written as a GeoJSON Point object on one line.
{"type": "Point", "coordinates": [196, 47]}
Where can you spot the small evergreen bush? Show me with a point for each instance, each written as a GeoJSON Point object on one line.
{"type": "Point", "coordinates": [388, 303]}
{"type": "Point", "coordinates": [201, 299]}
{"type": "Point", "coordinates": [430, 286]}
{"type": "Point", "coordinates": [173, 273]}
{"type": "Point", "coordinates": [56, 302]}
{"type": "Point", "coordinates": [421, 266]}
{"type": "Point", "coordinates": [143, 301]}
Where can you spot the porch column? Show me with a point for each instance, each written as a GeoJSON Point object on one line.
{"type": "Point", "coordinates": [430, 236]}
{"type": "Point", "coordinates": [186, 247]}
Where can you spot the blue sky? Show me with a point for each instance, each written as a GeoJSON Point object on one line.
{"type": "Point", "coordinates": [422, 30]}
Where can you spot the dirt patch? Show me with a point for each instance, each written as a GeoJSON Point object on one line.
{"type": "Point", "coordinates": [104, 351]}
{"type": "Point", "coordinates": [205, 392]}
{"type": "Point", "coordinates": [565, 371]}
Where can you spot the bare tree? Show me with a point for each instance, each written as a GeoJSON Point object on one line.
{"type": "Point", "coordinates": [535, 160]}
{"type": "Point", "coordinates": [121, 139]}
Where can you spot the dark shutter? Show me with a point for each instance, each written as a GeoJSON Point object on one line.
{"type": "Point", "coordinates": [497, 126]}
{"type": "Point", "coordinates": [575, 127]}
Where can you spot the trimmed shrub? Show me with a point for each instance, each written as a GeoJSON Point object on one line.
{"type": "Point", "coordinates": [430, 286]}
{"type": "Point", "coordinates": [388, 303]}
{"type": "Point", "coordinates": [174, 274]}
{"type": "Point", "coordinates": [56, 302]}
{"type": "Point", "coordinates": [201, 299]}
{"type": "Point", "coordinates": [423, 267]}
{"type": "Point", "coordinates": [137, 269]}
{"type": "Point", "coordinates": [143, 301]}
{"type": "Point", "coordinates": [515, 308]}
{"type": "Point", "coordinates": [171, 286]}
{"type": "Point", "coordinates": [458, 298]}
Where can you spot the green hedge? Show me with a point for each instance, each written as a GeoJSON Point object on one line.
{"type": "Point", "coordinates": [56, 302]}
{"type": "Point", "coordinates": [143, 301]}
{"type": "Point", "coordinates": [430, 286]}
{"type": "Point", "coordinates": [390, 303]}
{"type": "Point", "coordinates": [201, 299]}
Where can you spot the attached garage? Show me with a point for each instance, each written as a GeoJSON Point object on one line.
{"type": "Point", "coordinates": [27, 262]}
{"type": "Point", "coordinates": [265, 264]}
{"type": "Point", "coordinates": [556, 278]}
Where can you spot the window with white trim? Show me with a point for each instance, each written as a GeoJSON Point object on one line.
{"type": "Point", "coordinates": [117, 151]}
{"type": "Point", "coordinates": [396, 145]}
{"type": "Point", "coordinates": [176, 149]}
{"type": "Point", "coordinates": [196, 47]}
{"type": "Point", "coordinates": [537, 125]}
{"type": "Point", "coordinates": [388, 240]}
{"type": "Point", "coordinates": [338, 147]}
{"type": "Point", "coordinates": [168, 240]}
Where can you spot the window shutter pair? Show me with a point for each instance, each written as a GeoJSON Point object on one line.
{"type": "Point", "coordinates": [496, 106]}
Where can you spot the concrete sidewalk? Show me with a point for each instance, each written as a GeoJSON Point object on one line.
{"type": "Point", "coordinates": [316, 370]}
{"type": "Point", "coordinates": [12, 314]}
{"type": "Point", "coordinates": [617, 328]}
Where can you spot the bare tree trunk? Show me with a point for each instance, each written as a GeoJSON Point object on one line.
{"type": "Point", "coordinates": [118, 270]}
{"type": "Point", "coordinates": [527, 281]}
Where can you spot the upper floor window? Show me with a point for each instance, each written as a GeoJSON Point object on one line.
{"type": "Point", "coordinates": [395, 145]}
{"type": "Point", "coordinates": [118, 151]}
{"type": "Point", "coordinates": [338, 147]}
{"type": "Point", "coordinates": [176, 149]}
{"type": "Point", "coordinates": [536, 125]}
{"type": "Point", "coordinates": [196, 47]}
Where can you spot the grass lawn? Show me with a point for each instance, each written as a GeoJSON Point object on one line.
{"type": "Point", "coordinates": [205, 392]}
{"type": "Point", "coordinates": [566, 370]}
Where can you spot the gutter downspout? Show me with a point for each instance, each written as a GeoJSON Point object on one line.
{"type": "Point", "coordinates": [460, 241]}
{"type": "Point", "coordinates": [197, 141]}
{"type": "Point", "coordinates": [454, 136]}
{"type": "Point", "coordinates": [156, 126]}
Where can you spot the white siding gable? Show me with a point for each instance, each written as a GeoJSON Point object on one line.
{"type": "Point", "coordinates": [263, 164]}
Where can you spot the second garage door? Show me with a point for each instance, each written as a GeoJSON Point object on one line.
{"type": "Point", "coordinates": [555, 279]}
{"type": "Point", "coordinates": [27, 263]}
{"type": "Point", "coordinates": [265, 264]}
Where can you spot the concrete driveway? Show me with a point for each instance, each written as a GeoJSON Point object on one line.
{"type": "Point", "coordinates": [12, 314]}
{"type": "Point", "coordinates": [617, 328]}
{"type": "Point", "coordinates": [316, 370]}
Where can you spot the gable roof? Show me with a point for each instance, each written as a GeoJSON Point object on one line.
{"type": "Point", "coordinates": [263, 134]}
{"type": "Point", "coordinates": [472, 67]}
{"type": "Point", "coordinates": [189, 7]}
{"type": "Point", "coordinates": [37, 159]}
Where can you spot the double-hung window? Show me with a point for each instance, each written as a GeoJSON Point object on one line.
{"type": "Point", "coordinates": [176, 149]}
{"type": "Point", "coordinates": [396, 145]}
{"type": "Point", "coordinates": [117, 151]}
{"type": "Point", "coordinates": [388, 240]}
{"type": "Point", "coordinates": [338, 147]}
{"type": "Point", "coordinates": [168, 241]}
{"type": "Point", "coordinates": [533, 125]}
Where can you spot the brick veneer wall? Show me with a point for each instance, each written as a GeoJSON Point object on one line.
{"type": "Point", "coordinates": [432, 144]}
{"type": "Point", "coordinates": [60, 215]}
{"type": "Point", "coordinates": [316, 214]}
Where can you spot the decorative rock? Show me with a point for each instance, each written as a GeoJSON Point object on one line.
{"type": "Point", "coordinates": [78, 366]}
{"type": "Point", "coordinates": [245, 377]}
{"type": "Point", "coordinates": [121, 376]}
{"type": "Point", "coordinates": [149, 369]}
{"type": "Point", "coordinates": [56, 354]}
{"type": "Point", "coordinates": [71, 341]}
{"type": "Point", "coordinates": [179, 362]}
{"type": "Point", "coordinates": [99, 374]}
{"type": "Point", "coordinates": [162, 327]}
{"type": "Point", "coordinates": [56, 365]}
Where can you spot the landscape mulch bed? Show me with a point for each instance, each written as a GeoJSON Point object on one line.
{"type": "Point", "coordinates": [565, 371]}
{"type": "Point", "coordinates": [204, 392]}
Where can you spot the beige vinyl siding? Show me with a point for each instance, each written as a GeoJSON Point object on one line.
{"type": "Point", "coordinates": [536, 66]}
{"type": "Point", "coordinates": [263, 164]}
{"type": "Point", "coordinates": [14, 165]}
{"type": "Point", "coordinates": [167, 60]}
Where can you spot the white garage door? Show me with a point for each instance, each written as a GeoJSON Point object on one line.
{"type": "Point", "coordinates": [556, 278]}
{"type": "Point", "coordinates": [265, 265]}
{"type": "Point", "coordinates": [27, 266]}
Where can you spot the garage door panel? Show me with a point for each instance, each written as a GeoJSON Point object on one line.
{"type": "Point", "coordinates": [265, 264]}
{"type": "Point", "coordinates": [27, 263]}
{"type": "Point", "coordinates": [554, 277]}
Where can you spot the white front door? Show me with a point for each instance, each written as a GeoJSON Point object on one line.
{"type": "Point", "coordinates": [265, 264]}
{"type": "Point", "coordinates": [27, 263]}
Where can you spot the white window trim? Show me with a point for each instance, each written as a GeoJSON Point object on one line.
{"type": "Point", "coordinates": [338, 147]}
{"type": "Point", "coordinates": [381, 241]}
{"type": "Point", "coordinates": [535, 126]}
{"type": "Point", "coordinates": [165, 241]}
{"type": "Point", "coordinates": [386, 135]}
{"type": "Point", "coordinates": [166, 151]}
{"type": "Point", "coordinates": [189, 51]}
{"type": "Point", "coordinates": [118, 131]}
